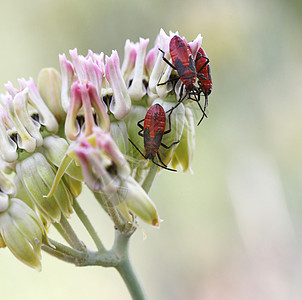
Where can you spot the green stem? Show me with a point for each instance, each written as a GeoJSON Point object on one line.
{"type": "Point", "coordinates": [86, 222]}
{"type": "Point", "coordinates": [60, 229]}
{"type": "Point", "coordinates": [58, 254]}
{"type": "Point", "coordinates": [63, 252]}
{"type": "Point", "coordinates": [67, 250]}
{"type": "Point", "coordinates": [76, 243]}
{"type": "Point", "coordinates": [149, 178]}
{"type": "Point", "coordinates": [125, 268]}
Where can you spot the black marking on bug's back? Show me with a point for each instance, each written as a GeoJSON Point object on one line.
{"type": "Point", "coordinates": [179, 67]}
{"type": "Point", "coordinates": [152, 145]}
{"type": "Point", "coordinates": [180, 43]}
{"type": "Point", "coordinates": [154, 116]}
{"type": "Point", "coordinates": [192, 66]}
{"type": "Point", "coordinates": [146, 136]}
{"type": "Point", "coordinates": [158, 138]}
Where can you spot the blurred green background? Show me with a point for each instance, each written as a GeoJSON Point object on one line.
{"type": "Point", "coordinates": [233, 229]}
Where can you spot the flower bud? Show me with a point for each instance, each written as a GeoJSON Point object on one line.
{"type": "Point", "coordinates": [159, 65]}
{"type": "Point", "coordinates": [88, 68]}
{"type": "Point", "coordinates": [6, 185]}
{"type": "Point", "coordinates": [118, 131]}
{"type": "Point", "coordinates": [46, 118]}
{"type": "Point", "coordinates": [4, 202]}
{"type": "Point", "coordinates": [7, 167]}
{"type": "Point", "coordinates": [137, 89]}
{"type": "Point", "coordinates": [37, 176]}
{"type": "Point", "coordinates": [31, 126]}
{"type": "Point", "coordinates": [101, 162]}
{"type": "Point", "coordinates": [49, 86]}
{"type": "Point", "coordinates": [183, 154]}
{"type": "Point", "coordinates": [55, 149]}
{"type": "Point", "coordinates": [21, 231]}
{"type": "Point", "coordinates": [14, 108]}
{"type": "Point", "coordinates": [68, 75]}
{"type": "Point", "coordinates": [95, 167]}
{"type": "Point", "coordinates": [74, 185]}
{"type": "Point", "coordinates": [84, 96]}
{"type": "Point", "coordinates": [139, 202]}
{"type": "Point", "coordinates": [8, 149]}
{"type": "Point", "coordinates": [163, 90]}
{"type": "Point", "coordinates": [22, 194]}
{"type": "Point", "coordinates": [106, 171]}
{"type": "Point", "coordinates": [195, 45]}
{"type": "Point", "coordinates": [129, 60]}
{"type": "Point", "coordinates": [151, 57]}
{"type": "Point", "coordinates": [121, 102]}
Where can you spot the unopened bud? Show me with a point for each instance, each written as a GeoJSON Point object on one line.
{"type": "Point", "coordinates": [183, 154]}
{"type": "Point", "coordinates": [84, 97]}
{"type": "Point", "coordinates": [37, 175]}
{"type": "Point", "coordinates": [21, 231]}
{"type": "Point", "coordinates": [139, 202]}
{"type": "Point", "coordinates": [121, 102]}
{"type": "Point", "coordinates": [49, 85]}
{"type": "Point", "coordinates": [137, 88]}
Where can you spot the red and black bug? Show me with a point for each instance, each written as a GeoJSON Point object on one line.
{"type": "Point", "coordinates": [184, 64]}
{"type": "Point", "coordinates": [203, 74]}
{"type": "Point", "coordinates": [153, 131]}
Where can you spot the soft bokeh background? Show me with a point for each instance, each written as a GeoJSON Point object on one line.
{"type": "Point", "coordinates": [233, 229]}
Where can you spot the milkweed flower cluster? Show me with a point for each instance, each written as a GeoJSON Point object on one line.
{"type": "Point", "coordinates": [73, 127]}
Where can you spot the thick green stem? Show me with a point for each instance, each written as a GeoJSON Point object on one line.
{"type": "Point", "coordinates": [125, 268]}
{"type": "Point", "coordinates": [84, 219]}
{"type": "Point", "coordinates": [132, 282]}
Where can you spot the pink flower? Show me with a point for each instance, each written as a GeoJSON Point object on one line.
{"type": "Point", "coordinates": [84, 97]}
{"type": "Point", "coordinates": [121, 102]}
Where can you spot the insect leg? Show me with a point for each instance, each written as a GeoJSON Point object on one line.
{"type": "Point", "coordinates": [181, 99]}
{"type": "Point", "coordinates": [141, 127]}
{"type": "Point", "coordinates": [137, 148]}
{"type": "Point", "coordinates": [207, 61]}
{"type": "Point", "coordinates": [162, 164]}
{"type": "Point", "coordinates": [168, 147]}
{"type": "Point", "coordinates": [169, 80]}
{"type": "Point", "coordinates": [169, 117]}
{"type": "Point", "coordinates": [197, 92]}
{"type": "Point", "coordinates": [165, 60]}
